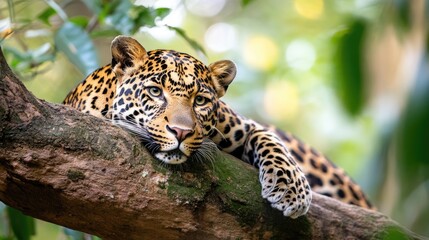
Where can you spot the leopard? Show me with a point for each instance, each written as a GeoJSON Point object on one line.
{"type": "Point", "coordinates": [171, 100]}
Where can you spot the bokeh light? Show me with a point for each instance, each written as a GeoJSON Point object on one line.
{"type": "Point", "coordinates": [166, 3]}
{"type": "Point", "coordinates": [220, 37]}
{"type": "Point", "coordinates": [205, 8]}
{"type": "Point", "coordinates": [260, 52]}
{"type": "Point", "coordinates": [281, 100]}
{"type": "Point", "coordinates": [311, 9]}
{"type": "Point", "coordinates": [300, 55]}
{"type": "Point", "coordinates": [145, 3]}
{"type": "Point", "coordinates": [160, 33]}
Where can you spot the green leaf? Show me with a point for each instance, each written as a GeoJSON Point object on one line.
{"type": "Point", "coordinates": [80, 21]}
{"type": "Point", "coordinates": [22, 226]}
{"type": "Point", "coordinates": [349, 67]}
{"type": "Point", "coordinates": [43, 49]}
{"type": "Point", "coordinates": [76, 44]}
{"type": "Point", "coordinates": [245, 2]}
{"type": "Point", "coordinates": [4, 222]}
{"type": "Point", "coordinates": [106, 9]}
{"type": "Point", "coordinates": [162, 12]}
{"type": "Point", "coordinates": [27, 61]}
{"type": "Point", "coordinates": [120, 19]}
{"type": "Point", "coordinates": [58, 9]}
{"type": "Point", "coordinates": [41, 55]}
{"type": "Point", "coordinates": [45, 15]}
{"type": "Point", "coordinates": [16, 54]}
{"type": "Point", "coordinates": [191, 42]}
{"type": "Point", "coordinates": [105, 32]}
{"type": "Point", "coordinates": [128, 18]}
{"type": "Point", "coordinates": [147, 16]}
{"type": "Point", "coordinates": [403, 11]}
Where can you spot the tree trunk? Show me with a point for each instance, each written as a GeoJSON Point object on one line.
{"type": "Point", "coordinates": [72, 169]}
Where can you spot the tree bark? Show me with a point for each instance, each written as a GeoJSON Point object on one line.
{"type": "Point", "coordinates": [73, 169]}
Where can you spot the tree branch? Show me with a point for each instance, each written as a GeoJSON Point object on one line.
{"type": "Point", "coordinates": [72, 169]}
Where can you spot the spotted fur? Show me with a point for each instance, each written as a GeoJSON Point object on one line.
{"type": "Point", "coordinates": [171, 101]}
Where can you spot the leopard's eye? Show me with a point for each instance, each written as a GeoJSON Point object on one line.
{"type": "Point", "coordinates": [155, 91]}
{"type": "Point", "coordinates": [200, 100]}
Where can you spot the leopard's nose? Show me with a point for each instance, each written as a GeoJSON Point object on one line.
{"type": "Point", "coordinates": [181, 134]}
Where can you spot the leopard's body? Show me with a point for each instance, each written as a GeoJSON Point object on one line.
{"type": "Point", "coordinates": [171, 100]}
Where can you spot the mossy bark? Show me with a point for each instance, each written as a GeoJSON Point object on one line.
{"type": "Point", "coordinates": [75, 170]}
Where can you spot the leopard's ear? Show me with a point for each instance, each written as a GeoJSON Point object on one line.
{"type": "Point", "coordinates": [222, 73]}
{"type": "Point", "coordinates": [127, 53]}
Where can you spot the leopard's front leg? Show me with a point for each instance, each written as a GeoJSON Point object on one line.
{"type": "Point", "coordinates": [283, 183]}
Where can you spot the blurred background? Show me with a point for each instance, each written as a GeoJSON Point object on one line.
{"type": "Point", "coordinates": [349, 77]}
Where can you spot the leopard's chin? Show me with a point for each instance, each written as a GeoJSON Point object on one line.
{"type": "Point", "coordinates": [171, 157]}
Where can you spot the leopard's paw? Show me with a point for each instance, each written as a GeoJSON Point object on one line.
{"type": "Point", "coordinates": [286, 190]}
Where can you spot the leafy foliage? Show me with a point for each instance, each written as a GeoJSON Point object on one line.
{"type": "Point", "coordinates": [16, 225]}
{"type": "Point", "coordinates": [75, 43]}
{"type": "Point", "coordinates": [350, 84]}
{"type": "Point", "coordinates": [22, 226]}
{"type": "Point", "coordinates": [74, 36]}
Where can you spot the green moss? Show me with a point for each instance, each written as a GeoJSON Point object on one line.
{"type": "Point", "coordinates": [190, 185]}
{"type": "Point", "coordinates": [240, 192]}
{"type": "Point", "coordinates": [75, 175]}
{"type": "Point", "coordinates": [234, 182]}
{"type": "Point", "coordinates": [187, 195]}
{"type": "Point", "coordinates": [239, 188]}
{"type": "Point", "coordinates": [392, 233]}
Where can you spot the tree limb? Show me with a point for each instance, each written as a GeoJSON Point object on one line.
{"type": "Point", "coordinates": [72, 169]}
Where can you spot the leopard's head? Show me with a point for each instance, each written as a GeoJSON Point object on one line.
{"type": "Point", "coordinates": [169, 99]}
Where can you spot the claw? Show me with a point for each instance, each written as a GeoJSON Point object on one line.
{"type": "Point", "coordinates": [289, 212]}
{"type": "Point", "coordinates": [283, 198]}
{"type": "Point", "coordinates": [277, 206]}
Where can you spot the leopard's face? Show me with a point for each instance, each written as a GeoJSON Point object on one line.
{"type": "Point", "coordinates": [169, 99]}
